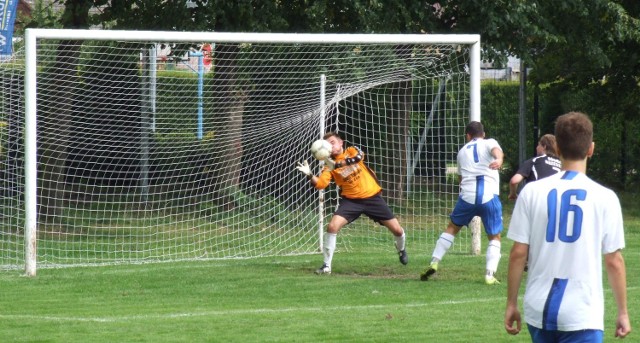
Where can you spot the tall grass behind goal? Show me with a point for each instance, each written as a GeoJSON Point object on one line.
{"type": "Point", "coordinates": [142, 158]}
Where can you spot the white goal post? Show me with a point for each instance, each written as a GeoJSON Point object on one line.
{"type": "Point", "coordinates": [132, 156]}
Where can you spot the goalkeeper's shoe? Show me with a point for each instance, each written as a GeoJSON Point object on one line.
{"type": "Point", "coordinates": [491, 280]}
{"type": "Point", "coordinates": [404, 259]}
{"type": "Point", "coordinates": [433, 268]}
{"type": "Point", "coordinates": [324, 269]}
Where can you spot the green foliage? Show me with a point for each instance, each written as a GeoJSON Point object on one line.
{"type": "Point", "coordinates": [616, 160]}
{"type": "Point", "coordinates": [179, 87]}
{"type": "Point", "coordinates": [602, 34]}
{"type": "Point", "coordinates": [500, 113]}
{"type": "Point", "coordinates": [42, 15]}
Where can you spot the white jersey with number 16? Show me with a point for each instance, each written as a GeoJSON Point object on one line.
{"type": "Point", "coordinates": [569, 221]}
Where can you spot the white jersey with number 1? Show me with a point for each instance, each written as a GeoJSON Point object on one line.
{"type": "Point", "coordinates": [478, 183]}
{"type": "Point", "coordinates": [569, 221]}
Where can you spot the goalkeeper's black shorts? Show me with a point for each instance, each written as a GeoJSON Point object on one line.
{"type": "Point", "coordinates": [374, 207]}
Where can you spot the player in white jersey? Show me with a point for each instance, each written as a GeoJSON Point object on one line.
{"type": "Point", "coordinates": [564, 224]}
{"type": "Point", "coordinates": [478, 163]}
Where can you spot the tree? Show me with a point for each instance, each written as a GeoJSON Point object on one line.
{"type": "Point", "coordinates": [598, 46]}
{"type": "Point", "coordinates": [57, 118]}
{"type": "Point", "coordinates": [575, 46]}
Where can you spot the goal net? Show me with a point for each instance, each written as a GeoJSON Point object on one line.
{"type": "Point", "coordinates": [131, 147]}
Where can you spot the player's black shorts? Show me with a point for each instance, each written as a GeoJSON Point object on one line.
{"type": "Point", "coordinates": [375, 208]}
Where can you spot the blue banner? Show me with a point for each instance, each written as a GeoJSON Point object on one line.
{"type": "Point", "coordinates": [8, 9]}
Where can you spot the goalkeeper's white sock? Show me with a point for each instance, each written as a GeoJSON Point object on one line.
{"type": "Point", "coordinates": [493, 256]}
{"type": "Point", "coordinates": [442, 245]}
{"type": "Point", "coordinates": [400, 241]}
{"type": "Point", "coordinates": [329, 247]}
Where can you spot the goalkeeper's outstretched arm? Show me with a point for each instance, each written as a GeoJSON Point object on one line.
{"type": "Point", "coordinates": [304, 168]}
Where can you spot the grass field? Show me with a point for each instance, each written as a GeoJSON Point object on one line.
{"type": "Point", "coordinates": [369, 297]}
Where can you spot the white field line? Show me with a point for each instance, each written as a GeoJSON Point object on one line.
{"type": "Point", "coordinates": [331, 309]}
{"type": "Point", "coordinates": [243, 311]}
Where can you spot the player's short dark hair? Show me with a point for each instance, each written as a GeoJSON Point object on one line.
{"type": "Point", "coordinates": [548, 142]}
{"type": "Point", "coordinates": [574, 135]}
{"type": "Point", "coordinates": [330, 134]}
{"type": "Point", "coordinates": [474, 129]}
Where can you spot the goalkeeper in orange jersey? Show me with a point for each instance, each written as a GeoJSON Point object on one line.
{"type": "Point", "coordinates": [360, 193]}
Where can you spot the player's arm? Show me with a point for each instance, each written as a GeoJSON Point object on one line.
{"type": "Point", "coordinates": [319, 182]}
{"type": "Point", "coordinates": [517, 261]}
{"type": "Point", "coordinates": [617, 275]}
{"type": "Point", "coordinates": [498, 156]}
{"type": "Point", "coordinates": [305, 169]}
{"type": "Point", "coordinates": [523, 172]}
{"type": "Point", "coordinates": [513, 185]}
{"type": "Point", "coordinates": [323, 180]}
{"type": "Point", "coordinates": [349, 160]}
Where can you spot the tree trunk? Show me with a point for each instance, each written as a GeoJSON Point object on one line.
{"type": "Point", "coordinates": [399, 131]}
{"type": "Point", "coordinates": [231, 100]}
{"type": "Point", "coordinates": [54, 116]}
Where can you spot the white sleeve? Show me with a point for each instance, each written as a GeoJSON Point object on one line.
{"type": "Point", "coordinates": [492, 143]}
{"type": "Point", "coordinates": [613, 238]}
{"type": "Point", "coordinates": [520, 225]}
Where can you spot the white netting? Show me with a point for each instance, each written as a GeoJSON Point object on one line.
{"type": "Point", "coordinates": [147, 157]}
{"type": "Point", "coordinates": [11, 160]}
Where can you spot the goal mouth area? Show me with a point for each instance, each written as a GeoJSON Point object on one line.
{"type": "Point", "coordinates": [151, 148]}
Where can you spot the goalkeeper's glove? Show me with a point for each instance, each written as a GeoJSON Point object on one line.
{"type": "Point", "coordinates": [331, 164]}
{"type": "Point", "coordinates": [304, 168]}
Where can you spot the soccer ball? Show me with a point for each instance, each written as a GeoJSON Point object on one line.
{"type": "Point", "coordinates": [320, 149]}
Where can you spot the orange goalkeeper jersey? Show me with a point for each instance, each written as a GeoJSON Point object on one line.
{"type": "Point", "coordinates": [356, 181]}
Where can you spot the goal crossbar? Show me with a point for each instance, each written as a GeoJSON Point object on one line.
{"type": "Point", "coordinates": [248, 37]}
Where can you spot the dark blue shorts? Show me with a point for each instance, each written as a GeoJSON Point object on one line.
{"type": "Point", "coordinates": [554, 336]}
{"type": "Point", "coordinates": [490, 213]}
{"type": "Point", "coordinates": [375, 208]}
